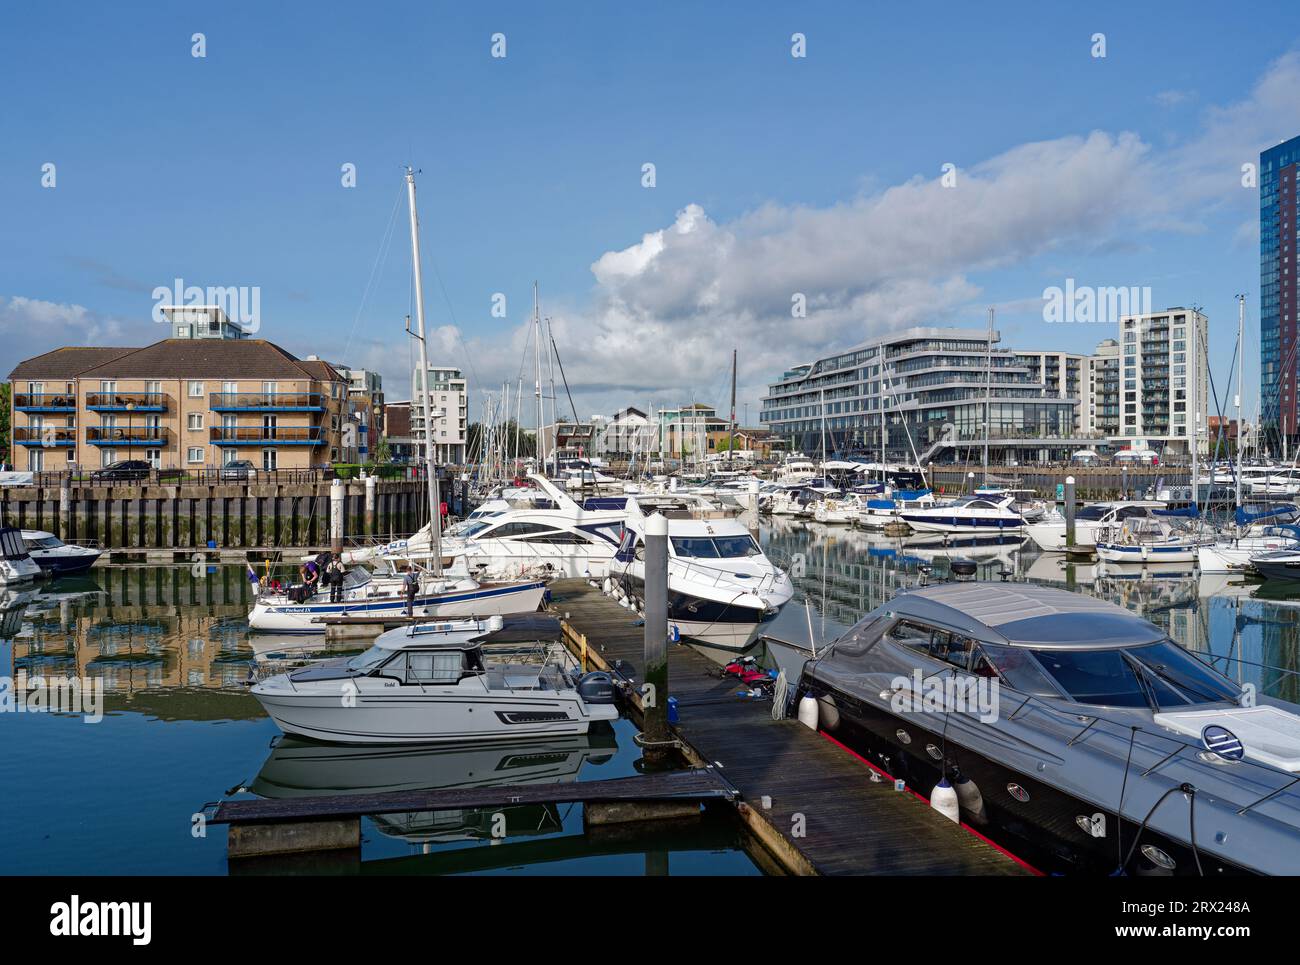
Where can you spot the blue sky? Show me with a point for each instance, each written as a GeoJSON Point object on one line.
{"type": "Point", "coordinates": [774, 174]}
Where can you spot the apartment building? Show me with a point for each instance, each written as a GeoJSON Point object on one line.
{"type": "Point", "coordinates": [449, 399]}
{"type": "Point", "coordinates": [1164, 380]}
{"type": "Point", "coordinates": [181, 403]}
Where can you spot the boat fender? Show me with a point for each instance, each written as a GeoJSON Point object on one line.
{"type": "Point", "coordinates": [944, 800]}
{"type": "Point", "coordinates": [808, 711]}
{"type": "Point", "coordinates": [970, 799]}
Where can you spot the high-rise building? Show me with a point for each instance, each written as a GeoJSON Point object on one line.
{"type": "Point", "coordinates": [1164, 380]}
{"type": "Point", "coordinates": [1099, 409]}
{"type": "Point", "coordinates": [449, 400]}
{"type": "Point", "coordinates": [1279, 251]}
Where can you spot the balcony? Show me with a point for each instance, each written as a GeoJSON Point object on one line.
{"type": "Point", "coordinates": [267, 436]}
{"type": "Point", "coordinates": [148, 436]}
{"type": "Point", "coordinates": [267, 402]}
{"type": "Point", "coordinates": [45, 436]}
{"type": "Point", "coordinates": [45, 402]}
{"type": "Point", "coordinates": [126, 402]}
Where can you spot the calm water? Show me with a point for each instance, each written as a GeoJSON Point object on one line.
{"type": "Point", "coordinates": [172, 649]}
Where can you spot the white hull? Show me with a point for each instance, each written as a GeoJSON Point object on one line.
{"type": "Point", "coordinates": [441, 714]}
{"type": "Point", "coordinates": [485, 601]}
{"type": "Point", "coordinates": [1235, 557]}
{"type": "Point", "coordinates": [1151, 553]}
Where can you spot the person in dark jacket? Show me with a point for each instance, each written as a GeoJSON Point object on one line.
{"type": "Point", "coordinates": [334, 573]}
{"type": "Point", "coordinates": [411, 584]}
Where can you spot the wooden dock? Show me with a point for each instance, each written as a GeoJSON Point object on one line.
{"type": "Point", "coordinates": [827, 815]}
{"type": "Point", "coordinates": [694, 785]}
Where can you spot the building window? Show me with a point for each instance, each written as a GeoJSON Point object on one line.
{"type": "Point", "coordinates": [194, 454]}
{"type": "Point", "coordinates": [195, 421]}
{"type": "Point", "coordinates": [196, 390]}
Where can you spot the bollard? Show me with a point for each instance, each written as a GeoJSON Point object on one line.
{"type": "Point", "coordinates": [370, 505]}
{"type": "Point", "coordinates": [655, 694]}
{"type": "Point", "coordinates": [336, 515]}
{"type": "Point", "coordinates": [1069, 513]}
{"type": "Point", "coordinates": [65, 512]}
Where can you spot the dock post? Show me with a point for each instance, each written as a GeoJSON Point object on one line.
{"type": "Point", "coordinates": [1069, 512]}
{"type": "Point", "coordinates": [654, 726]}
{"type": "Point", "coordinates": [65, 511]}
{"type": "Point", "coordinates": [371, 529]}
{"type": "Point", "coordinates": [336, 515]}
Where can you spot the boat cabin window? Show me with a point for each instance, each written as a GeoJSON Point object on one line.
{"type": "Point", "coordinates": [860, 639]}
{"type": "Point", "coordinates": [1160, 675]}
{"type": "Point", "coordinates": [1018, 668]}
{"type": "Point", "coordinates": [715, 547]}
{"type": "Point", "coordinates": [370, 659]}
{"type": "Point", "coordinates": [426, 666]}
{"type": "Point", "coordinates": [559, 536]}
{"type": "Point", "coordinates": [939, 644]}
{"type": "Point", "coordinates": [519, 529]}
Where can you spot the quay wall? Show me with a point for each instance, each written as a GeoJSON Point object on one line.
{"type": "Point", "coordinates": [260, 516]}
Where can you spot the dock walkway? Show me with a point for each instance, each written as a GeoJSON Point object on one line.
{"type": "Point", "coordinates": [827, 814]}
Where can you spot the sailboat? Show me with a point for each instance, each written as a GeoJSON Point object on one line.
{"type": "Point", "coordinates": [440, 595]}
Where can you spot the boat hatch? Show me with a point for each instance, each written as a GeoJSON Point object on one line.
{"type": "Point", "coordinates": [1269, 735]}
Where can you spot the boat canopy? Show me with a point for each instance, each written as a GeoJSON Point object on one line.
{"type": "Point", "coordinates": [1040, 617]}
{"type": "Point", "coordinates": [1244, 517]}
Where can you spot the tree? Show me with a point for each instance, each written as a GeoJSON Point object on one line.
{"type": "Point", "coordinates": [383, 453]}
{"type": "Point", "coordinates": [527, 439]}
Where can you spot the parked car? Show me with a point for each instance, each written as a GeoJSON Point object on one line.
{"type": "Point", "coordinates": [125, 470]}
{"type": "Point", "coordinates": [239, 470]}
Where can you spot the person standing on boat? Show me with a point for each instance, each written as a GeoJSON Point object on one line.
{"type": "Point", "coordinates": [334, 572]}
{"type": "Point", "coordinates": [410, 583]}
{"type": "Point", "coordinates": [253, 580]}
{"type": "Point", "coordinates": [309, 573]}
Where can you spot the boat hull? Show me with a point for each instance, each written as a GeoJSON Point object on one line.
{"type": "Point", "coordinates": [431, 719]}
{"type": "Point", "coordinates": [484, 602]}
{"type": "Point", "coordinates": [1146, 553]}
{"type": "Point", "coordinates": [1043, 828]}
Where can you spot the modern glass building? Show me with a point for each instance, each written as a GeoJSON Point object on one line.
{"type": "Point", "coordinates": [1279, 225]}
{"type": "Point", "coordinates": [931, 388]}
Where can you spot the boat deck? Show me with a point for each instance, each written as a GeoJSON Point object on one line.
{"type": "Point", "coordinates": [827, 815]}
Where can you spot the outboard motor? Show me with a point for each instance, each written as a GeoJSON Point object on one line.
{"type": "Point", "coordinates": [596, 687]}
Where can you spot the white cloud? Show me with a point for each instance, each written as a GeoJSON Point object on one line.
{"type": "Point", "coordinates": [31, 326]}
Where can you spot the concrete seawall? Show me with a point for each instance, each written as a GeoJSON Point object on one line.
{"type": "Point", "coordinates": [255, 516]}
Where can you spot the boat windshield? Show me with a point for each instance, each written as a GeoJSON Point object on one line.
{"type": "Point", "coordinates": [472, 527]}
{"type": "Point", "coordinates": [715, 547]}
{"type": "Point", "coordinates": [1157, 675]}
{"type": "Point", "coordinates": [370, 659]}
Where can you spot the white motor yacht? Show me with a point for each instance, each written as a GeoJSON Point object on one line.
{"type": "Point", "coordinates": [722, 589]}
{"type": "Point", "coordinates": [56, 557]}
{"type": "Point", "coordinates": [1049, 532]}
{"type": "Point", "coordinates": [431, 683]}
{"type": "Point", "coordinates": [968, 514]}
{"type": "Point", "coordinates": [16, 563]}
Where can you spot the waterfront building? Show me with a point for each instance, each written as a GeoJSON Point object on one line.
{"type": "Point", "coordinates": [1099, 406]}
{"type": "Point", "coordinates": [1164, 381]}
{"type": "Point", "coordinates": [449, 399]}
{"type": "Point", "coordinates": [397, 431]}
{"type": "Point", "coordinates": [1279, 262]}
{"type": "Point", "coordinates": [1062, 374]}
{"type": "Point", "coordinates": [177, 404]}
{"type": "Point", "coordinates": [931, 389]}
{"type": "Point", "coordinates": [628, 431]}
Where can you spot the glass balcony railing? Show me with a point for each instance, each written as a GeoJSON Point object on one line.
{"type": "Point", "coordinates": [45, 401]}
{"type": "Point", "coordinates": [267, 402]}
{"type": "Point", "coordinates": [126, 402]}
{"type": "Point", "coordinates": [267, 435]}
{"type": "Point", "coordinates": [145, 435]}
{"type": "Point", "coordinates": [45, 436]}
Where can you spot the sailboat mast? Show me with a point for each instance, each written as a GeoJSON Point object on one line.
{"type": "Point", "coordinates": [988, 393]}
{"type": "Point", "coordinates": [731, 448]}
{"type": "Point", "coordinates": [1241, 352]}
{"type": "Point", "coordinates": [435, 517]}
{"type": "Point", "coordinates": [537, 335]}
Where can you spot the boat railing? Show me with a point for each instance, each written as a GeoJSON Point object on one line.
{"type": "Point", "coordinates": [715, 577]}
